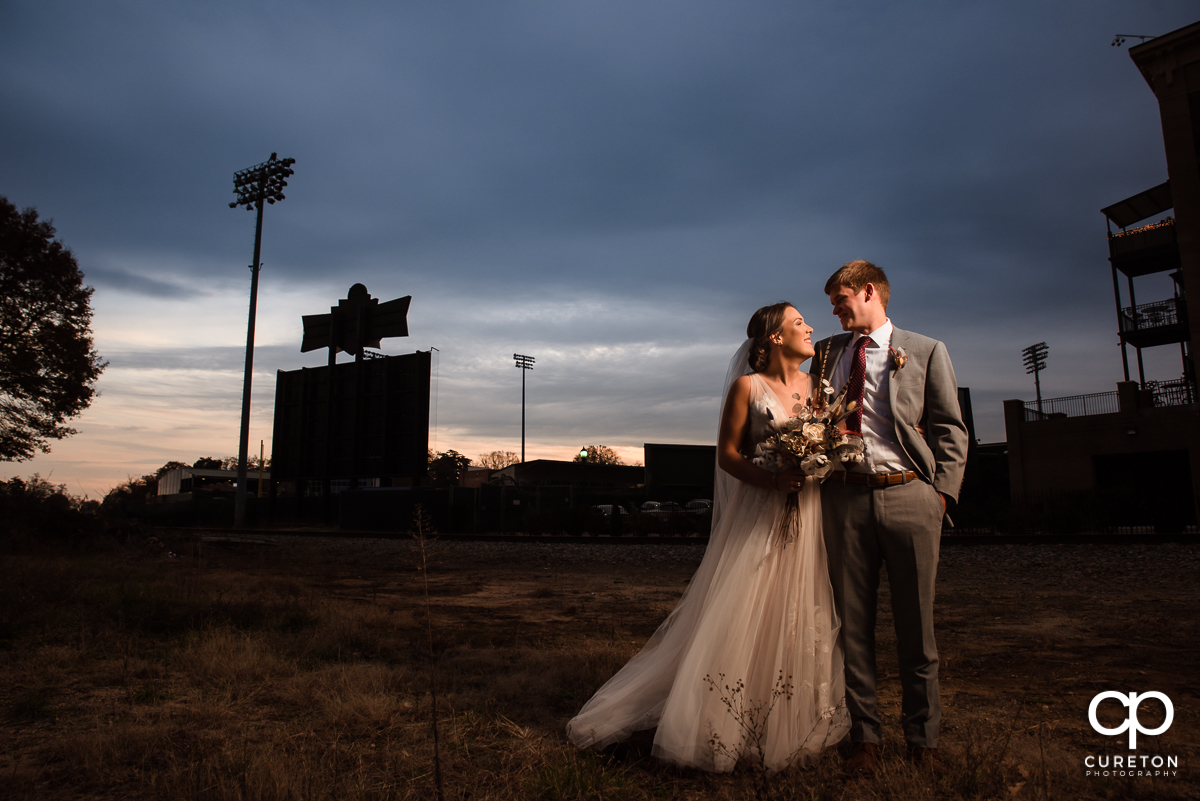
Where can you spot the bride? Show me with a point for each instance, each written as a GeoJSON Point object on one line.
{"type": "Point", "coordinates": [748, 665]}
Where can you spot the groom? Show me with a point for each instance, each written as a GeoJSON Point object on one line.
{"type": "Point", "coordinates": [889, 509]}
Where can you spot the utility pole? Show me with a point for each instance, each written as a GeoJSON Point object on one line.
{"type": "Point", "coordinates": [525, 363]}
{"type": "Point", "coordinates": [1035, 362]}
{"type": "Point", "coordinates": [252, 186]}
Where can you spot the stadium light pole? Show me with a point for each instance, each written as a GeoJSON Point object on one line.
{"type": "Point", "coordinates": [1035, 362]}
{"type": "Point", "coordinates": [525, 363]}
{"type": "Point", "coordinates": [253, 185]}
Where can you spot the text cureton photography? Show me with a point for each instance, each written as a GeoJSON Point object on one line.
{"type": "Point", "coordinates": [1131, 764]}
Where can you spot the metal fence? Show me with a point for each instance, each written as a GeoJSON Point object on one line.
{"type": "Point", "coordinates": [1159, 314]}
{"type": "Point", "coordinates": [1179, 392]}
{"type": "Point", "coordinates": [1073, 406]}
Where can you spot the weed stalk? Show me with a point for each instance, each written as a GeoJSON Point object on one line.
{"type": "Point", "coordinates": [421, 531]}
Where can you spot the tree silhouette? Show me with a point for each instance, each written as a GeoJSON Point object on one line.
{"type": "Point", "coordinates": [48, 367]}
{"type": "Point", "coordinates": [598, 454]}
{"type": "Point", "coordinates": [446, 468]}
{"type": "Point", "coordinates": [229, 463]}
{"type": "Point", "coordinates": [167, 468]}
{"type": "Point", "coordinates": [498, 459]}
{"type": "Point", "coordinates": [131, 494]}
{"type": "Point", "coordinates": [209, 463]}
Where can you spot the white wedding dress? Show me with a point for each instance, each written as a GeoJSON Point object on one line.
{"type": "Point", "coordinates": [757, 620]}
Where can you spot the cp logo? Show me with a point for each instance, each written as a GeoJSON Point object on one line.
{"type": "Point", "coordinates": [1131, 701]}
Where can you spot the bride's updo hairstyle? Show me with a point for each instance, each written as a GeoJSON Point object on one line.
{"type": "Point", "coordinates": [763, 323]}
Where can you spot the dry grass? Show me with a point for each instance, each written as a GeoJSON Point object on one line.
{"type": "Point", "coordinates": [128, 676]}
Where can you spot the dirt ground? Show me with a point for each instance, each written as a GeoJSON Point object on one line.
{"type": "Point", "coordinates": [1028, 636]}
{"type": "Point", "coordinates": [1042, 628]}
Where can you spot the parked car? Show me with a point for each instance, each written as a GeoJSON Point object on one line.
{"type": "Point", "coordinates": [661, 507]}
{"type": "Point", "coordinates": [606, 509]}
{"type": "Point", "coordinates": [698, 506]}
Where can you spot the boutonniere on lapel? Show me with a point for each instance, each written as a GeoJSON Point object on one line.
{"type": "Point", "coordinates": [899, 359]}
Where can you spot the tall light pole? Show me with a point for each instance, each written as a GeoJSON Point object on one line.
{"type": "Point", "coordinates": [1035, 362]}
{"type": "Point", "coordinates": [252, 186]}
{"type": "Point", "coordinates": [525, 363]}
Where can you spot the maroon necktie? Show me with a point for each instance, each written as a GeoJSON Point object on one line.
{"type": "Point", "coordinates": [858, 385]}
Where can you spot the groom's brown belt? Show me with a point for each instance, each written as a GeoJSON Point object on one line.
{"type": "Point", "coordinates": [872, 479]}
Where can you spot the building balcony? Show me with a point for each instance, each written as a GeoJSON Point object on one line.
{"type": "Point", "coordinates": [1180, 392]}
{"type": "Point", "coordinates": [1145, 250]}
{"type": "Point", "coordinates": [1151, 324]}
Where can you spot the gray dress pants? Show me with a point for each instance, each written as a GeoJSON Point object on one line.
{"type": "Point", "coordinates": [866, 527]}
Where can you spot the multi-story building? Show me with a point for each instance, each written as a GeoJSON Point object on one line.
{"type": "Point", "coordinates": [1136, 451]}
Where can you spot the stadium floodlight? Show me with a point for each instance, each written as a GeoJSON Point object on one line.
{"type": "Point", "coordinates": [1035, 362]}
{"type": "Point", "coordinates": [524, 363]}
{"type": "Point", "coordinates": [1120, 38]}
{"type": "Point", "coordinates": [253, 185]}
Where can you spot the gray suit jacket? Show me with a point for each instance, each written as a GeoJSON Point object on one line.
{"type": "Point", "coordinates": [923, 393]}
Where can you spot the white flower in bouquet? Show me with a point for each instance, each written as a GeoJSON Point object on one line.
{"type": "Point", "coordinates": [814, 432]}
{"type": "Point", "coordinates": [816, 465]}
{"type": "Point", "coordinates": [851, 449]}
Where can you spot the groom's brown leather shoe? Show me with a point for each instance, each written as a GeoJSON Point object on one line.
{"type": "Point", "coordinates": [863, 759]}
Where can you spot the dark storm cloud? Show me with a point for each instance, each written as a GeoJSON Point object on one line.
{"type": "Point", "coordinates": [424, 131]}
{"type": "Point", "coordinates": [574, 177]}
{"type": "Point", "coordinates": [134, 284]}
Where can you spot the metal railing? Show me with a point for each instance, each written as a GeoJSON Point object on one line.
{"type": "Point", "coordinates": [1179, 392]}
{"type": "Point", "coordinates": [1159, 314]}
{"type": "Point", "coordinates": [1073, 406]}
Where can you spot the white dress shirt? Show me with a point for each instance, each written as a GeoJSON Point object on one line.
{"type": "Point", "coordinates": [884, 452]}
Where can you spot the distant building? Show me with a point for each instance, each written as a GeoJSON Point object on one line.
{"type": "Point", "coordinates": [1139, 444]}
{"type": "Point", "coordinates": [474, 476]}
{"type": "Point", "coordinates": [690, 466]}
{"type": "Point", "coordinates": [552, 473]}
{"type": "Point", "coordinates": [185, 483]}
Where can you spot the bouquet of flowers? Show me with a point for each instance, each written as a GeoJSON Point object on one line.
{"type": "Point", "coordinates": [813, 439]}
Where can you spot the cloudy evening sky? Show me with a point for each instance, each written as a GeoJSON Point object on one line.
{"type": "Point", "coordinates": [610, 187]}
